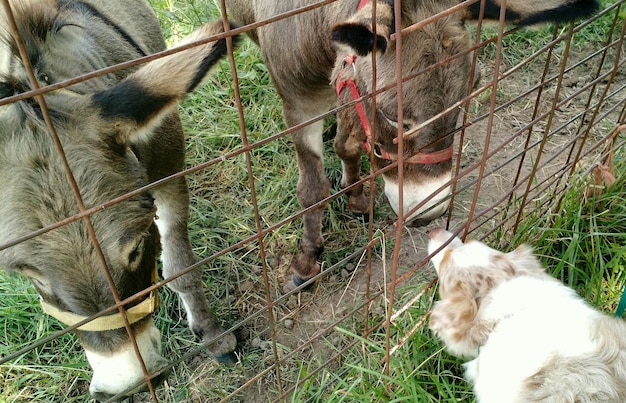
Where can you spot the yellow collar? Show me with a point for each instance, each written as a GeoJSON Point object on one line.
{"type": "Point", "coordinates": [107, 322]}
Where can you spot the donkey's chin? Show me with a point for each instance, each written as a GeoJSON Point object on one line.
{"type": "Point", "coordinates": [120, 371]}
{"type": "Point", "coordinates": [415, 193]}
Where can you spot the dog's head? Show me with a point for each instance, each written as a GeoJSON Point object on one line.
{"type": "Point", "coordinates": [467, 273]}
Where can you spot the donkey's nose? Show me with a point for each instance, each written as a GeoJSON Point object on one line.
{"type": "Point", "coordinates": [120, 372]}
{"type": "Point", "coordinates": [104, 395]}
{"type": "Point", "coordinates": [425, 193]}
{"type": "Point", "coordinates": [101, 396]}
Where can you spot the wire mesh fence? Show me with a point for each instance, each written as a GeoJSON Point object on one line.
{"type": "Point", "coordinates": [541, 109]}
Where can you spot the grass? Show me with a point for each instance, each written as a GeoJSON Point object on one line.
{"type": "Point", "coordinates": [57, 368]}
{"type": "Point", "coordinates": [580, 235]}
{"type": "Point", "coordinates": [418, 371]}
{"type": "Point", "coordinates": [518, 46]}
{"type": "Point", "coordinates": [584, 244]}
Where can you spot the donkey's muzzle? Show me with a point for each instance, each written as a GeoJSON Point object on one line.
{"type": "Point", "coordinates": [108, 397]}
{"type": "Point", "coordinates": [117, 374]}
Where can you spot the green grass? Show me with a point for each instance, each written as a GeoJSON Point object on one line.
{"type": "Point", "coordinates": [584, 244]}
{"type": "Point", "coordinates": [419, 370]}
{"type": "Point", "coordinates": [523, 42]}
{"type": "Point", "coordinates": [578, 237]}
{"type": "Point", "coordinates": [57, 368]}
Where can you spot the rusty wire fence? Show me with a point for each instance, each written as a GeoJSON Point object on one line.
{"type": "Point", "coordinates": [529, 128]}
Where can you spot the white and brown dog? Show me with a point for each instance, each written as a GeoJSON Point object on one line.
{"type": "Point", "coordinates": [532, 339]}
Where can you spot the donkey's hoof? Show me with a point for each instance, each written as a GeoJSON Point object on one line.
{"type": "Point", "coordinates": [365, 217]}
{"type": "Point", "coordinates": [222, 349]}
{"type": "Point", "coordinates": [306, 264]}
{"type": "Point", "coordinates": [228, 359]}
{"type": "Point", "coordinates": [296, 281]}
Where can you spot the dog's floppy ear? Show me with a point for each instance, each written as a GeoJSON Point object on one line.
{"type": "Point", "coordinates": [521, 261]}
{"type": "Point", "coordinates": [452, 319]}
{"type": "Point", "coordinates": [524, 261]}
{"type": "Point", "coordinates": [462, 303]}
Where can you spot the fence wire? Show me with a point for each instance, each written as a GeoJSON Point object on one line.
{"type": "Point", "coordinates": [528, 131]}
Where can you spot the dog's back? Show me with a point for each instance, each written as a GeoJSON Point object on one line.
{"type": "Point", "coordinates": [548, 346]}
{"type": "Point", "coordinates": [590, 378]}
{"type": "Point", "coordinates": [534, 339]}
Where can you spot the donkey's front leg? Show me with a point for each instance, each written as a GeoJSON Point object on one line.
{"type": "Point", "coordinates": [172, 201]}
{"type": "Point", "coordinates": [312, 187]}
{"type": "Point", "coordinates": [349, 150]}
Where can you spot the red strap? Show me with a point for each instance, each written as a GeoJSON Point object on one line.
{"type": "Point", "coordinates": [432, 158]}
{"type": "Point", "coordinates": [419, 158]}
{"type": "Point", "coordinates": [354, 91]}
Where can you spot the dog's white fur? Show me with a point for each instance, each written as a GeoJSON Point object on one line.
{"type": "Point", "coordinates": [532, 339]}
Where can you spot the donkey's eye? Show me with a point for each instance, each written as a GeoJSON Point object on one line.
{"type": "Point", "coordinates": [378, 151]}
{"type": "Point", "coordinates": [135, 254]}
{"type": "Point", "coordinates": [406, 124]}
{"type": "Point", "coordinates": [43, 77]}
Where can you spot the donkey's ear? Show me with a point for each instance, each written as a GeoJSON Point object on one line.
{"type": "Point", "coordinates": [145, 96]}
{"type": "Point", "coordinates": [527, 12]}
{"type": "Point", "coordinates": [357, 33]}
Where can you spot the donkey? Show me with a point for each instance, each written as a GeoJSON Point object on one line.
{"type": "Point", "coordinates": [119, 132]}
{"type": "Point", "coordinates": [306, 51]}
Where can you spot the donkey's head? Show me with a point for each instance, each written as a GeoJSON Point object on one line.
{"type": "Point", "coordinates": [103, 134]}
{"type": "Point", "coordinates": [436, 73]}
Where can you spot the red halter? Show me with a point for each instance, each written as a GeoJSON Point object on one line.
{"type": "Point", "coordinates": [419, 158]}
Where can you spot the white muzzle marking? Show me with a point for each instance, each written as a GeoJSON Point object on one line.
{"type": "Point", "coordinates": [117, 372]}
{"type": "Point", "coordinates": [413, 194]}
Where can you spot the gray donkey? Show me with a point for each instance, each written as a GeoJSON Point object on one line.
{"type": "Point", "coordinates": [306, 51]}
{"type": "Point", "coordinates": [119, 132]}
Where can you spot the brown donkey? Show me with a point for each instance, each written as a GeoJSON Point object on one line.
{"type": "Point", "coordinates": [306, 51]}
{"type": "Point", "coordinates": [119, 132]}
